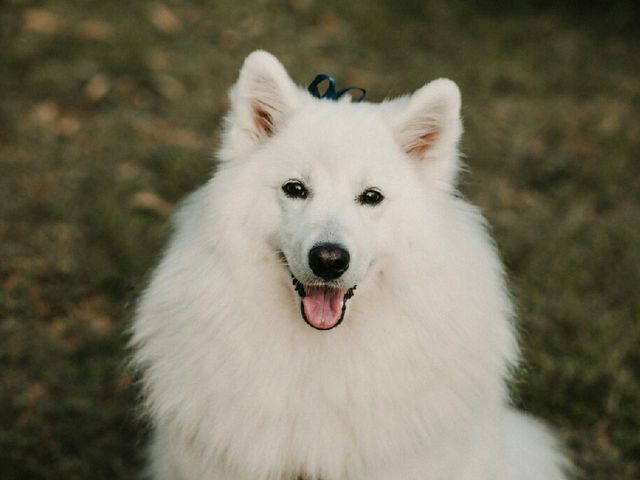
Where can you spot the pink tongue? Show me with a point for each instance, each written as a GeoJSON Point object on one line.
{"type": "Point", "coordinates": [323, 306]}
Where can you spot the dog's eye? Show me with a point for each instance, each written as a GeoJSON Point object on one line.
{"type": "Point", "coordinates": [295, 189]}
{"type": "Point", "coordinates": [370, 196]}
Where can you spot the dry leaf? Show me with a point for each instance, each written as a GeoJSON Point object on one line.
{"type": "Point", "coordinates": [170, 88]}
{"type": "Point", "coordinates": [300, 5]}
{"type": "Point", "coordinates": [97, 87]}
{"type": "Point", "coordinates": [329, 24]}
{"type": "Point", "coordinates": [47, 111]}
{"type": "Point", "coordinates": [91, 312]}
{"type": "Point", "coordinates": [164, 132]}
{"type": "Point", "coordinates": [125, 86]}
{"type": "Point", "coordinates": [227, 40]}
{"type": "Point", "coordinates": [42, 21]}
{"type": "Point", "coordinates": [96, 30]}
{"type": "Point", "coordinates": [159, 60]}
{"type": "Point", "coordinates": [57, 327]}
{"type": "Point", "coordinates": [35, 392]}
{"type": "Point", "coordinates": [42, 188]}
{"type": "Point", "coordinates": [68, 125]}
{"type": "Point", "coordinates": [152, 202]}
{"type": "Point", "coordinates": [251, 26]}
{"type": "Point", "coordinates": [128, 170]}
{"type": "Point", "coordinates": [165, 20]}
{"type": "Point", "coordinates": [12, 281]}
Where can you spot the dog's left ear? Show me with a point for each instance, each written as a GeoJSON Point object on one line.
{"type": "Point", "coordinates": [428, 127]}
{"type": "Point", "coordinates": [261, 100]}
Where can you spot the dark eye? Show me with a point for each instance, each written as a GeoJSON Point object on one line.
{"type": "Point", "coordinates": [295, 189]}
{"type": "Point", "coordinates": [370, 196]}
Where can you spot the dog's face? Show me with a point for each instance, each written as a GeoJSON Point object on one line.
{"type": "Point", "coordinates": [334, 177]}
{"type": "Point", "coordinates": [337, 176]}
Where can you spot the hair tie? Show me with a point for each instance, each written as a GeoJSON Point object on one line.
{"type": "Point", "coordinates": [330, 92]}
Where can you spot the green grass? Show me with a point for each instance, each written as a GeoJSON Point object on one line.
{"type": "Point", "coordinates": [109, 117]}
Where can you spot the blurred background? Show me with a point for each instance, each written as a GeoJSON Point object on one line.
{"type": "Point", "coordinates": [110, 112]}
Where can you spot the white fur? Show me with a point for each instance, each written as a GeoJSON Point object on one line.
{"type": "Point", "coordinates": [412, 384]}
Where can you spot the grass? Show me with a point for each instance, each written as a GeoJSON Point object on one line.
{"type": "Point", "coordinates": [108, 117]}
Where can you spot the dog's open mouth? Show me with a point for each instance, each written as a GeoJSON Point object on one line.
{"type": "Point", "coordinates": [322, 306]}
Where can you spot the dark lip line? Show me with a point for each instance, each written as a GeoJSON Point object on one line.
{"type": "Point", "coordinates": [299, 287]}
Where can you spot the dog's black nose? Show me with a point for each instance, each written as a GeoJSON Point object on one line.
{"type": "Point", "coordinates": [328, 260]}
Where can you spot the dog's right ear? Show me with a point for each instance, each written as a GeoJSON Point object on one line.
{"type": "Point", "coordinates": [427, 126]}
{"type": "Point", "coordinates": [261, 99]}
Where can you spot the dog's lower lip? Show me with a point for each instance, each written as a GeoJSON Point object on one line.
{"type": "Point", "coordinates": [300, 289]}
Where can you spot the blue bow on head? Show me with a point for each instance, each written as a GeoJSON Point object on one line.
{"type": "Point", "coordinates": [330, 92]}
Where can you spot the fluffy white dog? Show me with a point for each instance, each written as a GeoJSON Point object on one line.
{"type": "Point", "coordinates": [262, 361]}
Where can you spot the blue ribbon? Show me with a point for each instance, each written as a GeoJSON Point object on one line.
{"type": "Point", "coordinates": [331, 93]}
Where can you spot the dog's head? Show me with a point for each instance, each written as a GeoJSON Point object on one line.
{"type": "Point", "coordinates": [334, 180]}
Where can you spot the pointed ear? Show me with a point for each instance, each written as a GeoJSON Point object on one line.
{"type": "Point", "coordinates": [261, 100]}
{"type": "Point", "coordinates": [428, 124]}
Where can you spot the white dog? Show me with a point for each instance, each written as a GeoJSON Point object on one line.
{"type": "Point", "coordinates": [246, 377]}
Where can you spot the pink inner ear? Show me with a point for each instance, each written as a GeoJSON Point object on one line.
{"type": "Point", "coordinates": [420, 145]}
{"type": "Point", "coordinates": [263, 118]}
